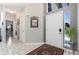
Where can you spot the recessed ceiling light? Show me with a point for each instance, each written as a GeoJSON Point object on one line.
{"type": "Point", "coordinates": [10, 11]}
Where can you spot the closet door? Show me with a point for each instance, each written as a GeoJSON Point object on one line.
{"type": "Point", "coordinates": [54, 29]}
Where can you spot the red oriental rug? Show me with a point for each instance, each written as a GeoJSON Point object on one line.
{"type": "Point", "coordinates": [46, 49]}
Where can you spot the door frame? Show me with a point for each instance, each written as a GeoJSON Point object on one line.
{"type": "Point", "coordinates": [45, 25]}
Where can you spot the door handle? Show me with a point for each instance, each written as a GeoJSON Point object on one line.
{"type": "Point", "coordinates": [60, 31]}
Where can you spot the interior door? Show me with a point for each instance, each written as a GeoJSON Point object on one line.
{"type": "Point", "coordinates": [54, 29]}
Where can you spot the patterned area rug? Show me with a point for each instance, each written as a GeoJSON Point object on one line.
{"type": "Point", "coordinates": [46, 49]}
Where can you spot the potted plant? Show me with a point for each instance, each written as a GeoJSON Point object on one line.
{"type": "Point", "coordinates": [70, 32]}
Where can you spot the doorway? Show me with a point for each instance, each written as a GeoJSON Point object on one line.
{"type": "Point", "coordinates": [9, 29]}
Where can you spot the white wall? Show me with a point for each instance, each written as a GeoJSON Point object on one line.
{"type": "Point", "coordinates": [2, 20]}
{"type": "Point", "coordinates": [0, 17]}
{"type": "Point", "coordinates": [10, 16]}
{"type": "Point", "coordinates": [22, 29]}
{"type": "Point", "coordinates": [29, 34]}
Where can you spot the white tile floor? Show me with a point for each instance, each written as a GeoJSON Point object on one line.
{"type": "Point", "coordinates": [69, 52]}
{"type": "Point", "coordinates": [20, 48]}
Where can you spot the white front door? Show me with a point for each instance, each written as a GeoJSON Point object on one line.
{"type": "Point", "coordinates": [54, 29]}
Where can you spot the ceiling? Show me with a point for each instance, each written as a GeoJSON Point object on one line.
{"type": "Point", "coordinates": [15, 6]}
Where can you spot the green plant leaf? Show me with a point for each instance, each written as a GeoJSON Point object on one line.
{"type": "Point", "coordinates": [70, 31]}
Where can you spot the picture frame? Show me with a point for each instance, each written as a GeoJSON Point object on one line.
{"type": "Point", "coordinates": [34, 22]}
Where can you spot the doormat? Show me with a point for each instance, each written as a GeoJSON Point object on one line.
{"type": "Point", "coordinates": [46, 49]}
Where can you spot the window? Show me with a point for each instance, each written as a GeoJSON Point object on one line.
{"type": "Point", "coordinates": [49, 7]}
{"type": "Point", "coordinates": [67, 17]}
{"type": "Point", "coordinates": [62, 5]}
{"type": "Point", "coordinates": [56, 6]}
{"type": "Point", "coordinates": [65, 4]}
{"type": "Point", "coordinates": [59, 5]}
